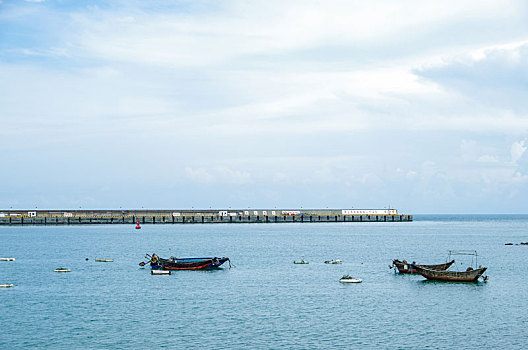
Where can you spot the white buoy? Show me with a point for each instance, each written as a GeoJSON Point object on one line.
{"type": "Point", "coordinates": [7, 285]}
{"type": "Point", "coordinates": [160, 272]}
{"type": "Point", "coordinates": [61, 269]}
{"type": "Point", "coordinates": [302, 262]}
{"type": "Point", "coordinates": [336, 261]}
{"type": "Point", "coordinates": [7, 259]}
{"type": "Point", "coordinates": [104, 260]}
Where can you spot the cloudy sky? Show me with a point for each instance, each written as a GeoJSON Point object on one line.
{"type": "Point", "coordinates": [417, 105]}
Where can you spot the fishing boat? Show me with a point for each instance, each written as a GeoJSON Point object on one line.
{"type": "Point", "coordinates": [350, 279]}
{"type": "Point", "coordinates": [335, 261]}
{"type": "Point", "coordinates": [157, 263]}
{"type": "Point", "coordinates": [7, 259]}
{"type": "Point", "coordinates": [8, 285]}
{"type": "Point", "coordinates": [104, 260]}
{"type": "Point", "coordinates": [405, 267]}
{"type": "Point", "coordinates": [301, 262]}
{"type": "Point", "coordinates": [62, 269]}
{"type": "Point", "coordinates": [469, 275]}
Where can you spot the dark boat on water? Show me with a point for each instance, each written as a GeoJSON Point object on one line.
{"type": "Point", "coordinates": [470, 275]}
{"type": "Point", "coordinates": [404, 267]}
{"type": "Point", "coordinates": [157, 263]}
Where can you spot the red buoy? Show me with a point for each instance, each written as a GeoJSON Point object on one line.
{"type": "Point", "coordinates": [137, 226]}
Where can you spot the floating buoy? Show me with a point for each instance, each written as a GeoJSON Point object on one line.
{"type": "Point", "coordinates": [7, 259]}
{"type": "Point", "coordinates": [104, 260]}
{"type": "Point", "coordinates": [138, 226]}
{"type": "Point", "coordinates": [302, 262]}
{"type": "Point", "coordinates": [61, 269]}
{"type": "Point", "coordinates": [335, 261]}
{"type": "Point", "coordinates": [7, 285]}
{"type": "Point", "coordinates": [160, 272]}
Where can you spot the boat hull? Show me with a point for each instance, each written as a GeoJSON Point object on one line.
{"type": "Point", "coordinates": [333, 261]}
{"type": "Point", "coordinates": [350, 280]}
{"type": "Point", "coordinates": [404, 267]}
{"type": "Point", "coordinates": [450, 276]}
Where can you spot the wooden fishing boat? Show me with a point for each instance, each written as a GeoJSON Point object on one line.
{"type": "Point", "coordinates": [184, 263]}
{"type": "Point", "coordinates": [470, 275]}
{"type": "Point", "coordinates": [404, 267]}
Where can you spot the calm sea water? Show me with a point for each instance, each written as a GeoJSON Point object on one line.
{"type": "Point", "coordinates": [265, 301]}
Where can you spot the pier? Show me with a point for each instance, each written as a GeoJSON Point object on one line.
{"type": "Point", "coordinates": [198, 216]}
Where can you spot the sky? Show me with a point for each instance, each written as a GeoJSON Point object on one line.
{"type": "Point", "coordinates": [416, 105]}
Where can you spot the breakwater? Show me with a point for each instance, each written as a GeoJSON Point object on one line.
{"type": "Point", "coordinates": [198, 216]}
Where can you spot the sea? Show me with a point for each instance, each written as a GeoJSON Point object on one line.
{"type": "Point", "coordinates": [263, 300]}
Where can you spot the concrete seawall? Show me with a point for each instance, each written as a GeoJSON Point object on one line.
{"type": "Point", "coordinates": [175, 216]}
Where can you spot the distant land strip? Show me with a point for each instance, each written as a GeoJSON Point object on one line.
{"type": "Point", "coordinates": [197, 216]}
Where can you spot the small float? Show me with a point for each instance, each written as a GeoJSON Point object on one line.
{"type": "Point", "coordinates": [62, 269]}
{"type": "Point", "coordinates": [301, 262]}
{"type": "Point", "coordinates": [9, 285]}
{"type": "Point", "coordinates": [104, 260]}
{"type": "Point", "coordinates": [350, 279]}
{"type": "Point", "coordinates": [138, 226]}
{"type": "Point", "coordinates": [160, 272]}
{"type": "Point", "coordinates": [7, 259]}
{"type": "Point", "coordinates": [335, 261]}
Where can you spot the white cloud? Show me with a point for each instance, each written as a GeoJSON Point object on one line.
{"type": "Point", "coordinates": [237, 31]}
{"type": "Point", "coordinates": [469, 149]}
{"type": "Point", "coordinates": [492, 79]}
{"type": "Point", "coordinates": [218, 174]}
{"type": "Point", "coordinates": [282, 95]}
{"type": "Point", "coordinates": [517, 150]}
{"type": "Point", "coordinates": [487, 159]}
{"type": "Point", "coordinates": [199, 175]}
{"type": "Point", "coordinates": [411, 174]}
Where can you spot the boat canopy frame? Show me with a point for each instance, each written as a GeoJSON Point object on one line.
{"type": "Point", "coordinates": [472, 253]}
